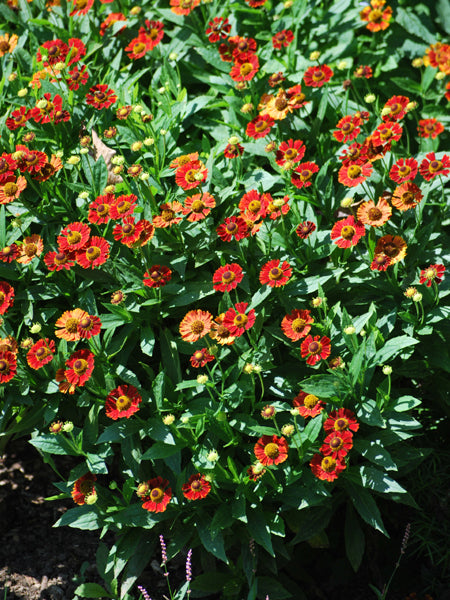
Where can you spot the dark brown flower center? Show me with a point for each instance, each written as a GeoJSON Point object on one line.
{"type": "Point", "coordinates": [374, 214]}
{"type": "Point", "coordinates": [315, 347]}
{"type": "Point", "coordinates": [197, 327]}
{"type": "Point", "coordinates": [123, 403]}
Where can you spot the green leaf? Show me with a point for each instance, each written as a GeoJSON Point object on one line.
{"type": "Point", "coordinates": [380, 482]}
{"type": "Point", "coordinates": [92, 590]}
{"type": "Point", "coordinates": [443, 11]}
{"type": "Point", "coordinates": [313, 429]}
{"type": "Point", "coordinates": [53, 444]}
{"type": "Point", "coordinates": [80, 517]}
{"type": "Point", "coordinates": [364, 504]}
{"type": "Point", "coordinates": [354, 539]}
{"type": "Point", "coordinates": [308, 522]}
{"type": "Point", "coordinates": [147, 340]}
{"type": "Point", "coordinates": [369, 413]}
{"type": "Point", "coordinates": [322, 386]}
{"type": "Point", "coordinates": [161, 450]}
{"type": "Point", "coordinates": [270, 587]}
{"type": "Point", "coordinates": [214, 545]}
{"type": "Point", "coordinates": [392, 348]}
{"type": "Point", "coordinates": [259, 530]}
{"type": "Point", "coordinates": [413, 25]}
{"type": "Point", "coordinates": [170, 356]}
{"type": "Point", "coordinates": [374, 451]}
{"type": "Point", "coordinates": [404, 403]}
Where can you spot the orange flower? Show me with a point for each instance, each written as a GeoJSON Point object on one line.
{"type": "Point", "coordinates": [195, 325]}
{"type": "Point", "coordinates": [397, 106]}
{"type": "Point", "coordinates": [183, 7]}
{"type": "Point", "coordinates": [376, 16]}
{"type": "Point", "coordinates": [67, 325]}
{"type": "Point", "coordinates": [31, 246]}
{"type": "Point", "coordinates": [393, 246]}
{"type": "Point", "coordinates": [373, 214]}
{"type": "Point", "coordinates": [191, 174]}
{"type": "Point", "coordinates": [278, 106]}
{"type": "Point", "coordinates": [297, 324]}
{"type": "Point", "coordinates": [12, 188]}
{"type": "Point", "coordinates": [221, 334]}
{"type": "Point", "coordinates": [271, 450]}
{"type": "Point", "coordinates": [197, 207]}
{"type": "Point", "coordinates": [167, 216]}
{"type": "Point", "coordinates": [8, 43]}
{"type": "Point", "coordinates": [406, 196]}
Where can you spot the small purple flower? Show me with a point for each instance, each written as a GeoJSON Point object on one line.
{"type": "Point", "coordinates": [144, 592]}
{"type": "Point", "coordinates": [163, 550]}
{"type": "Point", "coordinates": [188, 566]}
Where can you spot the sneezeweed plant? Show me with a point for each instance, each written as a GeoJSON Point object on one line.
{"type": "Point", "coordinates": [232, 238]}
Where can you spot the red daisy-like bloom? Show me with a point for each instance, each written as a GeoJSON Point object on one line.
{"type": "Point", "coordinates": [7, 167]}
{"type": "Point", "coordinates": [348, 129]}
{"type": "Point", "coordinates": [195, 325]}
{"type": "Point", "coordinates": [79, 367]}
{"type": "Point", "coordinates": [228, 277]}
{"type": "Point", "coordinates": [123, 206]}
{"type": "Point", "coordinates": [326, 468]}
{"type": "Point", "coordinates": [9, 253]}
{"type": "Point", "coordinates": [301, 177]}
{"type": "Point", "coordinates": [183, 159]}
{"type": "Point", "coordinates": [41, 353]}
{"type": "Point", "coordinates": [274, 274]}
{"type": "Point", "coordinates": [290, 152]}
{"type": "Point", "coordinates": [196, 488]}
{"type": "Point", "coordinates": [100, 96]}
{"type": "Point", "coordinates": [259, 127]}
{"type": "Point", "coordinates": [254, 205]}
{"type": "Point", "coordinates": [126, 232]}
{"type": "Point", "coordinates": [295, 96]}
{"type": "Point", "coordinates": [49, 169]}
{"type": "Point", "coordinates": [121, 402]}
{"type": "Point", "coordinates": [18, 118]}
{"type": "Point", "coordinates": [156, 492]}
{"type": "Point", "coordinates": [317, 76]}
{"type": "Point", "coordinates": [271, 450]}
{"type": "Point", "coordinates": [138, 47]}
{"type": "Point", "coordinates": [363, 71]}
{"type": "Point", "coordinates": [246, 65]}
{"type": "Point", "coordinates": [6, 297]}
{"type": "Point", "coordinates": [404, 169]}
{"type": "Point", "coordinates": [77, 77]}
{"type": "Point", "coordinates": [88, 326]}
{"type": "Point", "coordinates": [11, 188]}
{"type": "Point", "coordinates": [278, 207]}
{"type": "Point", "coordinates": [305, 229]}
{"type": "Point", "coordinates": [233, 151]}
{"type": "Point", "coordinates": [354, 154]}
{"type": "Point", "coordinates": [397, 106]}
{"type": "Point", "coordinates": [146, 232]}
{"type": "Point", "coordinates": [276, 79]}
{"type": "Point", "coordinates": [380, 262]}
{"type": "Point", "coordinates": [354, 174]}
{"type": "Point", "coordinates": [191, 175]}
{"type": "Point", "coordinates": [297, 324]}
{"type": "Point", "coordinates": [347, 232]}
{"type": "Point", "coordinates": [337, 444]}
{"type": "Point", "coordinates": [99, 209]}
{"type": "Point", "coordinates": [81, 7]}
{"type": "Point", "coordinates": [218, 28]}
{"type": "Point", "coordinates": [386, 132]}
{"type": "Point", "coordinates": [55, 50]}
{"type": "Point", "coordinates": [431, 167]}
{"type": "Point", "coordinates": [283, 38]}
{"type": "Point", "coordinates": [406, 196]}
{"type": "Point", "coordinates": [95, 253]}
{"type": "Point", "coordinates": [376, 15]}
{"type": "Point", "coordinates": [110, 20]}
{"type": "Point", "coordinates": [83, 488]}
{"type": "Point", "coordinates": [430, 128]}
{"type": "Point", "coordinates": [47, 113]}
{"type": "Point", "coordinates": [73, 237]}
{"type": "Point", "coordinates": [308, 405]}
{"type": "Point", "coordinates": [154, 31]}
{"type": "Point", "coordinates": [157, 276]}
{"type": "Point", "coordinates": [236, 321]}
{"type": "Point", "coordinates": [167, 216]}
{"type": "Point", "coordinates": [57, 261]}
{"type": "Point", "coordinates": [432, 273]}
{"type": "Point", "coordinates": [8, 366]}
{"type": "Point", "coordinates": [315, 349]}
{"type": "Point", "coordinates": [31, 247]}
{"type": "Point", "coordinates": [342, 419]}
{"type": "Point", "coordinates": [199, 206]}
{"type": "Point", "coordinates": [201, 357]}
{"type": "Point", "coordinates": [183, 7]}
{"type": "Point", "coordinates": [232, 227]}
{"type": "Point", "coordinates": [29, 161]}
{"type": "Point", "coordinates": [77, 50]}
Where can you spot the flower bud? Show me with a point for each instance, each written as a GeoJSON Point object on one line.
{"type": "Point", "coordinates": [417, 62]}
{"type": "Point", "coordinates": [173, 56]}
{"type": "Point", "coordinates": [287, 430]}
{"type": "Point", "coordinates": [68, 426]}
{"type": "Point", "coordinates": [73, 160]}
{"type": "Point", "coordinates": [342, 65]}
{"type": "Point", "coordinates": [369, 98]}
{"type": "Point", "coordinates": [417, 297]}
{"type": "Point", "coordinates": [41, 104]}
{"type": "Point", "coordinates": [149, 141]}
{"type": "Point", "coordinates": [212, 456]}
{"type": "Point", "coordinates": [439, 75]}
{"type": "Point", "coordinates": [387, 369]}
{"type": "Point", "coordinates": [23, 92]}
{"type": "Point", "coordinates": [314, 55]}
{"type": "Point", "coordinates": [168, 419]}
{"type": "Point", "coordinates": [35, 328]}
{"type": "Point", "coordinates": [91, 498]}
{"type": "Point", "coordinates": [246, 108]}
{"type": "Point", "coordinates": [346, 202]}
{"type": "Point", "coordinates": [202, 379]}
{"type": "Point", "coordinates": [350, 330]}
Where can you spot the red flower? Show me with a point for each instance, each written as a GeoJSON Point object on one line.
{"type": "Point", "coordinates": [83, 488]}
{"type": "Point", "coordinates": [275, 275]}
{"type": "Point", "coordinates": [196, 488]}
{"type": "Point", "coordinates": [354, 154]}
{"type": "Point", "coordinates": [154, 31]}
{"type": "Point", "coordinates": [81, 7]}
{"type": "Point", "coordinates": [432, 273]}
{"type": "Point", "coordinates": [282, 38]}
{"type": "Point", "coordinates": [41, 353]}
{"type": "Point", "coordinates": [195, 325]}
{"type": "Point", "coordinates": [183, 7]}
{"type": "Point", "coordinates": [347, 232]}
{"type": "Point", "coordinates": [232, 227]}
{"type": "Point", "coordinates": [8, 366]}
{"type": "Point", "coordinates": [77, 77]}
{"type": "Point", "coordinates": [191, 175]}
{"type": "Point", "coordinates": [317, 76]}
{"type": "Point", "coordinates": [79, 367]}
{"type": "Point", "coordinates": [254, 205]}
{"type": "Point", "coordinates": [226, 278]}
{"type": "Point", "coordinates": [376, 16]}
{"type": "Point", "coordinates": [341, 420]}
{"type": "Point", "coordinates": [6, 297]}
{"type": "Point", "coordinates": [290, 152]}
{"type": "Point", "coordinates": [218, 28]}
{"type": "Point", "coordinates": [74, 237]}
{"type": "Point", "coordinates": [308, 405]}
{"type": "Point", "coordinates": [233, 150]}
{"type": "Point", "coordinates": [337, 444]}
{"type": "Point", "coordinates": [271, 450]}
{"type": "Point", "coordinates": [278, 207]}
{"type": "Point", "coordinates": [297, 324]}
{"type": "Point", "coordinates": [76, 50]}
{"type": "Point", "coordinates": [123, 206]}
{"type": "Point", "coordinates": [47, 114]}
{"type": "Point", "coordinates": [123, 401]}
{"type": "Point", "coordinates": [158, 494]}
{"type": "Point", "coordinates": [138, 47]}
{"type": "Point", "coordinates": [199, 206]}
{"type": "Point", "coordinates": [57, 261]}
{"type": "Point", "coordinates": [88, 326]}
{"type": "Point", "coordinates": [315, 349]}
{"type": "Point", "coordinates": [11, 188]}
{"type": "Point", "coordinates": [301, 177]}
{"type": "Point", "coordinates": [127, 232]}
{"type": "Point", "coordinates": [99, 209]}
{"type": "Point", "coordinates": [354, 174]}
{"type": "Point", "coordinates": [201, 357]}
{"type": "Point", "coordinates": [385, 133]}
{"type": "Point", "coordinates": [56, 51]}
{"type": "Point", "coordinates": [18, 118]}
{"type": "Point", "coordinates": [100, 96]}
{"type": "Point", "coordinates": [167, 216]}
{"type": "Point", "coordinates": [276, 79]}
{"type": "Point", "coordinates": [8, 254]}
{"type": "Point", "coordinates": [348, 128]}
{"type": "Point", "coordinates": [296, 98]}
{"type": "Point", "coordinates": [430, 128]}
{"type": "Point", "coordinates": [30, 161]}
{"type": "Point", "coordinates": [404, 169]}
{"type": "Point", "coordinates": [380, 262]}
{"type": "Point", "coordinates": [305, 229]}
{"type": "Point", "coordinates": [259, 127]}
{"type": "Point", "coordinates": [406, 196]}
{"type": "Point", "coordinates": [95, 253]}
{"type": "Point", "coordinates": [7, 167]}
{"type": "Point", "coordinates": [397, 106]}
{"type": "Point", "coordinates": [110, 20]}
{"type": "Point", "coordinates": [431, 167]}
{"type": "Point", "coordinates": [363, 71]}
{"type": "Point", "coordinates": [157, 276]}
{"type": "Point", "coordinates": [246, 65]}
{"type": "Point", "coordinates": [236, 321]}
{"type": "Point", "coordinates": [326, 468]}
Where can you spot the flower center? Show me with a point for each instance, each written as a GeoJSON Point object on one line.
{"type": "Point", "coordinates": [197, 206]}
{"type": "Point", "coordinates": [310, 401]}
{"type": "Point", "coordinates": [328, 464]}
{"type": "Point", "coordinates": [42, 353]}
{"type": "Point", "coordinates": [275, 273]}
{"type": "Point", "coordinates": [318, 75]}
{"type": "Point", "coordinates": [281, 103]}
{"type": "Point", "coordinates": [271, 450]}
{"type": "Point", "coordinates": [341, 424]}
{"type": "Point", "coordinates": [375, 214]}
{"type": "Point", "coordinates": [197, 326]}
{"type": "Point", "coordinates": [93, 252]}
{"type": "Point", "coordinates": [315, 347]}
{"type": "Point", "coordinates": [336, 443]}
{"type": "Point", "coordinates": [4, 46]}
{"type": "Point", "coordinates": [386, 133]}
{"type": "Point", "coordinates": [375, 16]}
{"type": "Point", "coordinates": [157, 494]}
{"type": "Point", "coordinates": [245, 69]}
{"type": "Point", "coordinates": [404, 170]}
{"type": "Point", "coordinates": [74, 237]}
{"type": "Point", "coordinates": [395, 108]}
{"type": "Point", "coordinates": [123, 403]}
{"type": "Point", "coordinates": [391, 250]}
{"type": "Point", "coordinates": [430, 273]}
{"type": "Point", "coordinates": [80, 366]}
{"type": "Point", "coordinates": [30, 249]}
{"type": "Point", "coordinates": [348, 232]}
{"type": "Point", "coordinates": [128, 228]}
{"type": "Point", "coordinates": [72, 325]}
{"type": "Point", "coordinates": [435, 165]}
{"type": "Point", "coordinates": [102, 210]}
{"type": "Point", "coordinates": [354, 171]}
{"type": "Point", "coordinates": [100, 96]}
{"type": "Point", "coordinates": [231, 227]}
{"type": "Point", "coordinates": [305, 174]}
{"type": "Point", "coordinates": [86, 323]}
{"type": "Point", "coordinates": [348, 127]}
{"type": "Point", "coordinates": [240, 320]}
{"type": "Point", "coordinates": [298, 324]}
{"type": "Point", "coordinates": [407, 198]}
{"type": "Point", "coordinates": [254, 206]}
{"type": "Point", "coordinates": [10, 189]}
{"type": "Point", "coordinates": [196, 485]}
{"type": "Point", "coordinates": [260, 125]}
{"type": "Point", "coordinates": [86, 487]}
{"type": "Point", "coordinates": [228, 277]}
{"type": "Point", "coordinates": [139, 47]}
{"type": "Point", "coordinates": [123, 206]}
{"type": "Point", "coordinates": [4, 366]}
